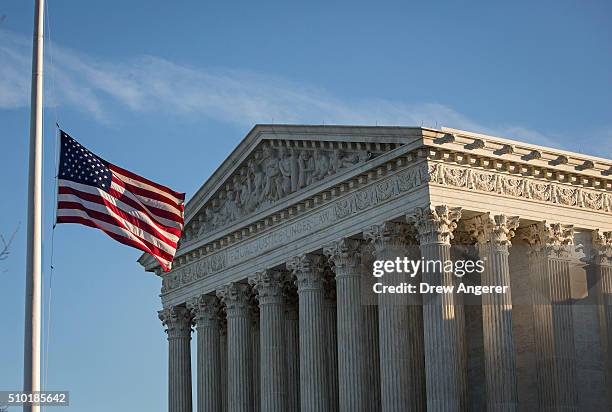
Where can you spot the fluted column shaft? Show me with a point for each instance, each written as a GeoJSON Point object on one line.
{"type": "Point", "coordinates": [205, 310]}
{"type": "Point", "coordinates": [178, 322]}
{"type": "Point", "coordinates": [371, 359]}
{"type": "Point", "coordinates": [292, 345]}
{"type": "Point", "coordinates": [256, 362]}
{"type": "Point", "coordinates": [442, 358]}
{"type": "Point", "coordinates": [500, 355]}
{"type": "Point", "coordinates": [606, 299]}
{"type": "Point", "coordinates": [399, 327]}
{"type": "Point", "coordinates": [269, 287]}
{"type": "Point", "coordinates": [602, 259]}
{"type": "Point", "coordinates": [462, 342]}
{"type": "Point", "coordinates": [223, 357]}
{"type": "Point", "coordinates": [371, 351]}
{"type": "Point", "coordinates": [542, 332]}
{"type": "Point", "coordinates": [564, 357]}
{"type": "Point", "coordinates": [331, 338]}
{"type": "Point", "coordinates": [549, 263]}
{"type": "Point", "coordinates": [345, 255]}
{"type": "Point", "coordinates": [493, 236]}
{"type": "Point", "coordinates": [236, 297]}
{"type": "Point", "coordinates": [314, 391]}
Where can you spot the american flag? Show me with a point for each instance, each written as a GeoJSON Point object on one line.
{"type": "Point", "coordinates": [129, 208]}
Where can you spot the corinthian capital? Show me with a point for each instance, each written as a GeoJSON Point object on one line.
{"type": "Point", "coordinates": [177, 320]}
{"type": "Point", "coordinates": [344, 253]}
{"type": "Point", "coordinates": [388, 236]}
{"type": "Point", "coordinates": [435, 225]}
{"type": "Point", "coordinates": [602, 247]}
{"type": "Point", "coordinates": [549, 234]}
{"type": "Point", "coordinates": [237, 298]}
{"type": "Point", "coordinates": [549, 237]}
{"type": "Point", "coordinates": [307, 269]}
{"type": "Point", "coordinates": [269, 285]}
{"type": "Point", "coordinates": [204, 308]}
{"type": "Point", "coordinates": [497, 230]}
{"type": "Point", "coordinates": [504, 229]}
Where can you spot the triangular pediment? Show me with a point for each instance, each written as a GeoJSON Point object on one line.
{"type": "Point", "coordinates": [275, 166]}
{"type": "Point", "coordinates": [275, 162]}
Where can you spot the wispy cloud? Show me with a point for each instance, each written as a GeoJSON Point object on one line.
{"type": "Point", "coordinates": [150, 84]}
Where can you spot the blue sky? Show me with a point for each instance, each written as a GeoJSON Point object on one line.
{"type": "Point", "coordinates": [167, 89]}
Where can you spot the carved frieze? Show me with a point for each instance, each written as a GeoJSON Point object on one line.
{"type": "Point", "coordinates": [364, 199]}
{"type": "Point", "coordinates": [521, 187]}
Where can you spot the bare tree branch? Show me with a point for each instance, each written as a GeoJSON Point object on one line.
{"type": "Point", "coordinates": [4, 252]}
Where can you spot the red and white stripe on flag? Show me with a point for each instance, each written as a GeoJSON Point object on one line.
{"type": "Point", "coordinates": [129, 208]}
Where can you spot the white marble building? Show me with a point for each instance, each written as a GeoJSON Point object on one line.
{"type": "Point", "coordinates": [276, 255]}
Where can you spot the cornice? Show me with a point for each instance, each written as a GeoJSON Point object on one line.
{"type": "Point", "coordinates": [529, 155]}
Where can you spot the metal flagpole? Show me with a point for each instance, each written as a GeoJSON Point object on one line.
{"type": "Point", "coordinates": [31, 354]}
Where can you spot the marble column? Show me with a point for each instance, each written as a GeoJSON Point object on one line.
{"type": "Point", "coordinates": [256, 357]}
{"type": "Point", "coordinates": [331, 336]}
{"type": "Point", "coordinates": [314, 391]}
{"type": "Point", "coordinates": [460, 250]}
{"type": "Point", "coordinates": [345, 255]}
{"type": "Point", "coordinates": [292, 348]}
{"type": "Point", "coordinates": [602, 259]}
{"type": "Point", "coordinates": [445, 380]}
{"type": "Point", "coordinates": [492, 235]}
{"type": "Point", "coordinates": [269, 287]}
{"type": "Point", "coordinates": [178, 321]}
{"type": "Point", "coordinates": [205, 310]}
{"type": "Point", "coordinates": [399, 326]}
{"type": "Point", "coordinates": [236, 297]}
{"type": "Point", "coordinates": [223, 357]}
{"type": "Point", "coordinates": [549, 265]}
{"type": "Point", "coordinates": [370, 336]}
{"type": "Point", "coordinates": [371, 359]}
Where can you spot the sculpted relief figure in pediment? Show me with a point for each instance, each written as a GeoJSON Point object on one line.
{"type": "Point", "coordinates": [273, 172]}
